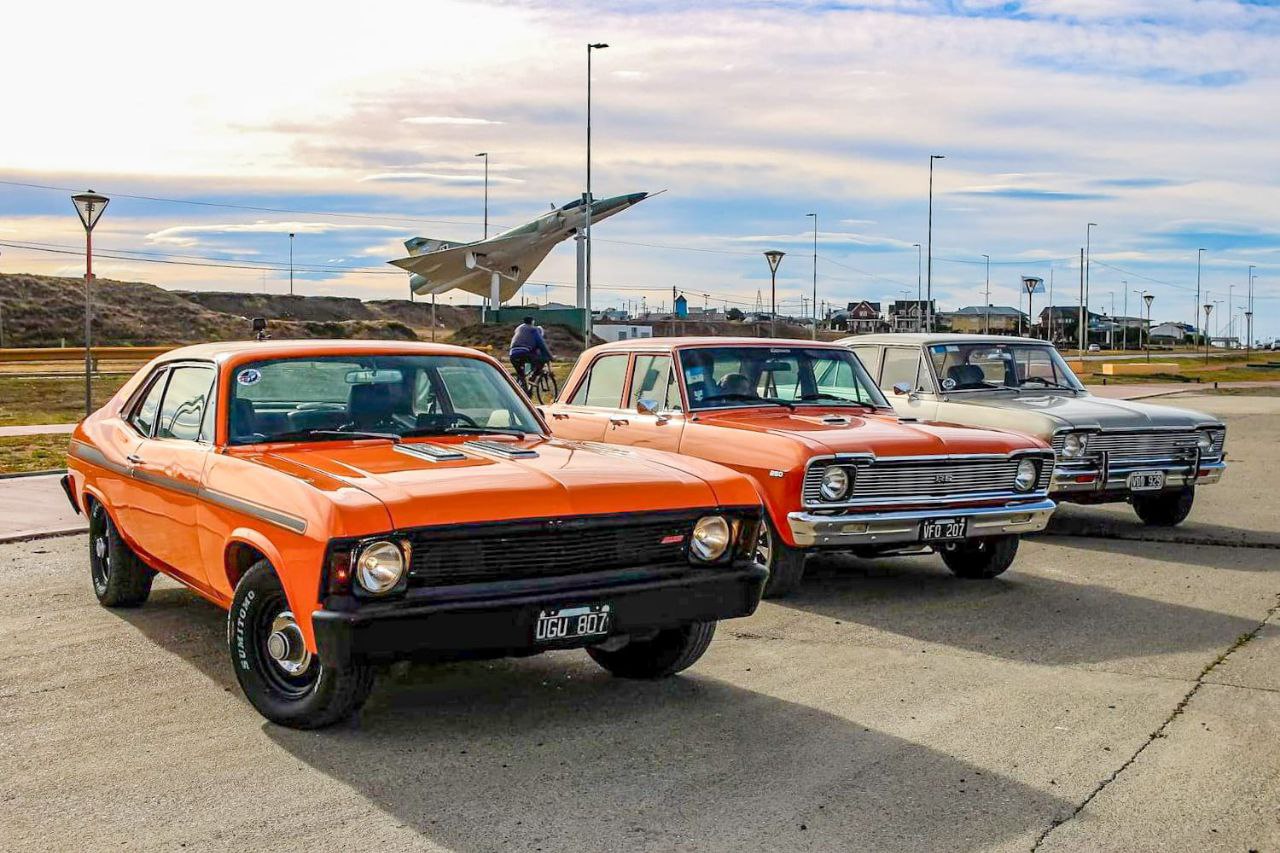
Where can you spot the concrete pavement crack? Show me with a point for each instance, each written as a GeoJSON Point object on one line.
{"type": "Point", "coordinates": [1241, 641]}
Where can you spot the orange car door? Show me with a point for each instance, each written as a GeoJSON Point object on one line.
{"type": "Point", "coordinates": [653, 414]}
{"type": "Point", "coordinates": [168, 469]}
{"type": "Point", "coordinates": [129, 503]}
{"type": "Point", "coordinates": [595, 402]}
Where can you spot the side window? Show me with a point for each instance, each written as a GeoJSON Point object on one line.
{"type": "Point", "coordinates": [870, 358]}
{"type": "Point", "coordinates": [653, 379]}
{"type": "Point", "coordinates": [144, 413]}
{"type": "Point", "coordinates": [602, 387]}
{"type": "Point", "coordinates": [184, 402]}
{"type": "Point", "coordinates": [208, 426]}
{"type": "Point", "coordinates": [900, 365]}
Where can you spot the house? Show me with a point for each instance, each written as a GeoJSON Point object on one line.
{"type": "Point", "coordinates": [988, 319]}
{"type": "Point", "coordinates": [621, 331]}
{"type": "Point", "coordinates": [1172, 332]}
{"type": "Point", "coordinates": [907, 315]}
{"type": "Point", "coordinates": [1062, 322]}
{"type": "Point", "coordinates": [860, 318]}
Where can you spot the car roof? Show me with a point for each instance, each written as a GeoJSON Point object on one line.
{"type": "Point", "coordinates": [919, 338]}
{"type": "Point", "coordinates": [633, 344]}
{"type": "Point", "coordinates": [233, 350]}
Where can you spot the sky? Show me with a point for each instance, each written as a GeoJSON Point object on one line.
{"type": "Point", "coordinates": [355, 126]}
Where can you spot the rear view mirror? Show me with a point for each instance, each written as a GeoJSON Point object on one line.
{"type": "Point", "coordinates": [373, 377]}
{"type": "Point", "coordinates": [777, 367]}
{"type": "Point", "coordinates": [902, 388]}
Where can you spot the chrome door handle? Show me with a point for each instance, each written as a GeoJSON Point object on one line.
{"type": "Point", "coordinates": [133, 459]}
{"type": "Point", "coordinates": [559, 416]}
{"type": "Point", "coordinates": [619, 421]}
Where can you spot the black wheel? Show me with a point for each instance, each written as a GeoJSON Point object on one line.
{"type": "Point", "coordinates": [120, 579]}
{"type": "Point", "coordinates": [667, 653]}
{"type": "Point", "coordinates": [1165, 509]}
{"type": "Point", "coordinates": [981, 558]}
{"type": "Point", "coordinates": [786, 564]}
{"type": "Point", "coordinates": [279, 676]}
{"type": "Point", "coordinates": [544, 387]}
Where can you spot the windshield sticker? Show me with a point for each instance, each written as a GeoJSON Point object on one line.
{"type": "Point", "coordinates": [249, 376]}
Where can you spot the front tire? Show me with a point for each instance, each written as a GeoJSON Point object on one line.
{"type": "Point", "coordinates": [119, 578]}
{"type": "Point", "coordinates": [279, 676]}
{"type": "Point", "coordinates": [1166, 509]}
{"type": "Point", "coordinates": [666, 653]}
{"type": "Point", "coordinates": [785, 564]}
{"type": "Point", "coordinates": [981, 559]}
{"type": "Point", "coordinates": [544, 387]}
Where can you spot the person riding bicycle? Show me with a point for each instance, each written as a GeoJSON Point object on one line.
{"type": "Point", "coordinates": [528, 350]}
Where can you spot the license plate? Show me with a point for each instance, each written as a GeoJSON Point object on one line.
{"type": "Point", "coordinates": [934, 529]}
{"type": "Point", "coordinates": [1146, 481]}
{"type": "Point", "coordinates": [569, 623]}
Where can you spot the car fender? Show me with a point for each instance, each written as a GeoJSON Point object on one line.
{"type": "Point", "coordinates": [301, 585]}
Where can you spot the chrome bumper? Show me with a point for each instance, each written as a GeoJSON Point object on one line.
{"type": "Point", "coordinates": [1115, 478]}
{"type": "Point", "coordinates": [812, 529]}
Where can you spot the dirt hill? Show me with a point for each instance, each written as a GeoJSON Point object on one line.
{"type": "Point", "coordinates": [564, 342]}
{"type": "Point", "coordinates": [416, 315]}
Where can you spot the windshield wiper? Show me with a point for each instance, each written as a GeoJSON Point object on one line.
{"type": "Point", "coordinates": [303, 434]}
{"type": "Point", "coordinates": [751, 398]}
{"type": "Point", "coordinates": [463, 430]}
{"type": "Point", "coordinates": [1048, 383]}
{"type": "Point", "coordinates": [835, 399]}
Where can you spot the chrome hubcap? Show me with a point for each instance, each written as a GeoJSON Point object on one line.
{"type": "Point", "coordinates": [286, 647]}
{"type": "Point", "coordinates": [764, 546]}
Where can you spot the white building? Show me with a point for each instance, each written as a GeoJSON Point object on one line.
{"type": "Point", "coordinates": [619, 332]}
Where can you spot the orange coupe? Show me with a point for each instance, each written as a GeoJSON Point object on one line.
{"type": "Point", "coordinates": [836, 467]}
{"type": "Point", "coordinates": [356, 502]}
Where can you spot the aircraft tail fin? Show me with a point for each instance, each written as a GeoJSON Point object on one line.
{"type": "Point", "coordinates": [423, 245]}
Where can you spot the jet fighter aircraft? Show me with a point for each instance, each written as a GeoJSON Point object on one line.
{"type": "Point", "coordinates": [499, 265]}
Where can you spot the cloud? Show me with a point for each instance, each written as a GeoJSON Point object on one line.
{"type": "Point", "coordinates": [440, 177]}
{"type": "Point", "coordinates": [1030, 193]}
{"type": "Point", "coordinates": [187, 235]}
{"type": "Point", "coordinates": [456, 120]}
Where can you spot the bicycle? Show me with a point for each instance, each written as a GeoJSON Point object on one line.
{"type": "Point", "coordinates": [540, 385]}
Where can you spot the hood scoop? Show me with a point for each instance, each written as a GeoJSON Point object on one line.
{"type": "Point", "coordinates": [501, 448]}
{"type": "Point", "coordinates": [430, 452]}
{"type": "Point", "coordinates": [835, 420]}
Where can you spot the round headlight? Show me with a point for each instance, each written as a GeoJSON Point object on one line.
{"type": "Point", "coordinates": [835, 483]}
{"type": "Point", "coordinates": [1074, 445]}
{"type": "Point", "coordinates": [710, 538]}
{"type": "Point", "coordinates": [380, 567]}
{"type": "Point", "coordinates": [1025, 479]}
{"type": "Point", "coordinates": [1205, 442]}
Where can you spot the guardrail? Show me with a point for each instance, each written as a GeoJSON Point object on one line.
{"type": "Point", "coordinates": [77, 353]}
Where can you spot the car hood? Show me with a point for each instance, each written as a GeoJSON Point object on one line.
{"type": "Point", "coordinates": [559, 478]}
{"type": "Point", "coordinates": [1089, 412]}
{"type": "Point", "coordinates": [843, 431]}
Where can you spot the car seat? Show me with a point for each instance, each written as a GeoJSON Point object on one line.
{"type": "Point", "coordinates": [966, 376]}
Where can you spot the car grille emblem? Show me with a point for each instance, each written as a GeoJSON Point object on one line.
{"type": "Point", "coordinates": [944, 478]}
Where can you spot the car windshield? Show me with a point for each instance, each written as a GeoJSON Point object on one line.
{"type": "Point", "coordinates": [717, 377]}
{"type": "Point", "coordinates": [319, 398]}
{"type": "Point", "coordinates": [986, 366]}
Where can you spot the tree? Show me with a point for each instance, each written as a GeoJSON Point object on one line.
{"type": "Point", "coordinates": [734, 314]}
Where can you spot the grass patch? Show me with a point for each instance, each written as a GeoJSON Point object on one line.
{"type": "Point", "coordinates": [38, 400]}
{"type": "Point", "coordinates": [22, 453]}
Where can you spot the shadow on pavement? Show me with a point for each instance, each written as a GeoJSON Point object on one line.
{"type": "Point", "coordinates": [1120, 522]}
{"type": "Point", "coordinates": [1021, 617]}
{"type": "Point", "coordinates": [550, 754]}
{"type": "Point", "coordinates": [1179, 553]}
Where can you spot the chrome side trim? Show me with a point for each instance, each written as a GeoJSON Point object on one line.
{"type": "Point", "coordinates": [94, 456]}
{"type": "Point", "coordinates": [430, 452]}
{"type": "Point", "coordinates": [281, 519]}
{"type": "Point", "coordinates": [164, 482]}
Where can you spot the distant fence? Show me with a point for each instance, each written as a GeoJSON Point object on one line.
{"type": "Point", "coordinates": [77, 353]}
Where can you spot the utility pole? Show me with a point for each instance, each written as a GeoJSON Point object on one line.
{"type": "Point", "coordinates": [291, 263]}
{"type": "Point", "coordinates": [1088, 231]}
{"type": "Point", "coordinates": [919, 286]}
{"type": "Point", "coordinates": [986, 302]}
{"type": "Point", "coordinates": [1248, 319]}
{"type": "Point", "coordinates": [587, 202]}
{"type": "Point", "coordinates": [1082, 308]}
{"type": "Point", "coordinates": [485, 155]}
{"type": "Point", "coordinates": [928, 314]}
{"type": "Point", "coordinates": [1199, 255]}
{"type": "Point", "coordinates": [815, 274]}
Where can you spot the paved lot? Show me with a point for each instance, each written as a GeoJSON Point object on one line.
{"type": "Point", "coordinates": [36, 506]}
{"type": "Point", "coordinates": [1112, 694]}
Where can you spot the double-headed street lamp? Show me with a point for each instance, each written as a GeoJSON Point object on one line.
{"type": "Point", "coordinates": [928, 316]}
{"type": "Point", "coordinates": [774, 257]}
{"type": "Point", "coordinates": [90, 207]}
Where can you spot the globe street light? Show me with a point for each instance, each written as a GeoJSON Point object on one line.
{"type": "Point", "coordinates": [928, 315]}
{"type": "Point", "coordinates": [90, 207]}
{"type": "Point", "coordinates": [774, 257]}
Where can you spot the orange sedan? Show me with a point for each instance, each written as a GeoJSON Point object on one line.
{"type": "Point", "coordinates": [355, 502]}
{"type": "Point", "coordinates": [836, 467]}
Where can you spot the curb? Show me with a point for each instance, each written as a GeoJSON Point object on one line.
{"type": "Point", "coordinates": [32, 535]}
{"type": "Point", "coordinates": [20, 474]}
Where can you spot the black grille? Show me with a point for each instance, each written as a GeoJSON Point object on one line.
{"type": "Point", "coordinates": [475, 553]}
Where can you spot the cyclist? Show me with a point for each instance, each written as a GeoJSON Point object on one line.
{"type": "Point", "coordinates": [528, 350]}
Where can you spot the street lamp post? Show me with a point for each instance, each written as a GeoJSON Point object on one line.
{"type": "Point", "coordinates": [815, 274]}
{"type": "Point", "coordinates": [919, 280]}
{"type": "Point", "coordinates": [1084, 291]}
{"type": "Point", "coordinates": [1148, 298]}
{"type": "Point", "coordinates": [291, 263]}
{"type": "Point", "coordinates": [1199, 255]}
{"type": "Point", "coordinates": [90, 207]}
{"type": "Point", "coordinates": [774, 257]}
{"type": "Point", "coordinates": [1208, 307]}
{"type": "Point", "coordinates": [586, 201]}
{"type": "Point", "coordinates": [485, 155]}
{"type": "Point", "coordinates": [1248, 318]}
{"type": "Point", "coordinates": [986, 300]}
{"type": "Point", "coordinates": [928, 314]}
{"type": "Point", "coordinates": [1124, 328]}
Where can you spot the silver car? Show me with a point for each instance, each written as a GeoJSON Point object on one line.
{"type": "Point", "coordinates": [1106, 451]}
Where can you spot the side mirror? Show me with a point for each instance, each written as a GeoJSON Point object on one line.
{"type": "Point", "coordinates": [647, 407]}
{"type": "Point", "coordinates": [902, 388]}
